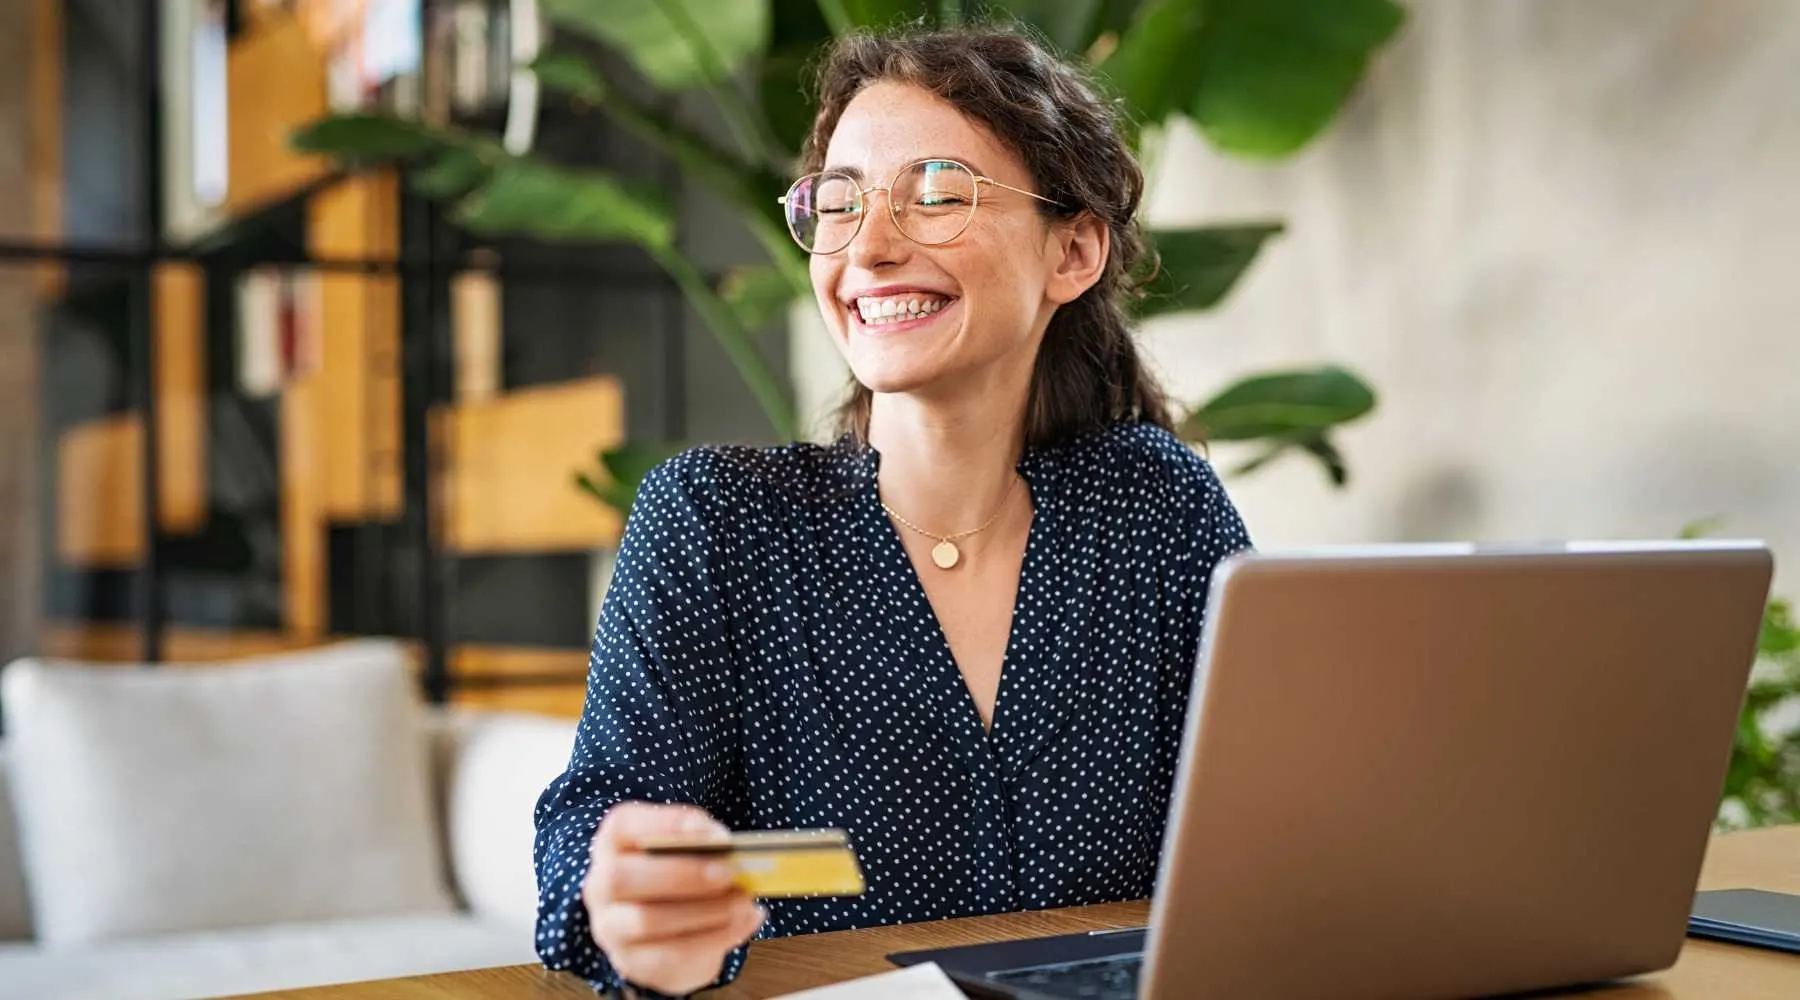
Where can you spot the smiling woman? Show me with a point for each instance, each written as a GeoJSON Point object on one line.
{"type": "Point", "coordinates": [1002, 100]}
{"type": "Point", "coordinates": [965, 631]}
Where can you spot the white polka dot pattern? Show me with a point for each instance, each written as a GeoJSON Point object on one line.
{"type": "Point", "coordinates": [767, 652]}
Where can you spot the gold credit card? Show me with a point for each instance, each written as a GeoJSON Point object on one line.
{"type": "Point", "coordinates": [776, 864]}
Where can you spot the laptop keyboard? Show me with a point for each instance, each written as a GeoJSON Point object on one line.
{"type": "Point", "coordinates": [1111, 978]}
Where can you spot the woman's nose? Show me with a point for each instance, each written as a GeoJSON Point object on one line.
{"type": "Point", "coordinates": [878, 241]}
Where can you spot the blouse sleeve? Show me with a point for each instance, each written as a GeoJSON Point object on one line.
{"type": "Point", "coordinates": [1214, 532]}
{"type": "Point", "coordinates": [661, 720]}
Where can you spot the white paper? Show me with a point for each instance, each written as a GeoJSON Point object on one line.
{"type": "Point", "coordinates": [918, 982]}
{"type": "Point", "coordinates": [259, 332]}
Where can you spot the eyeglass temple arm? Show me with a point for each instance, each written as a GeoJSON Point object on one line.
{"type": "Point", "coordinates": [1009, 187]}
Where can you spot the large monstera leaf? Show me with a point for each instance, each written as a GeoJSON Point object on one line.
{"type": "Point", "coordinates": [1259, 77]}
{"type": "Point", "coordinates": [1285, 411]}
{"type": "Point", "coordinates": [676, 44]}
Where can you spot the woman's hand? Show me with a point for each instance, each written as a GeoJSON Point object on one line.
{"type": "Point", "coordinates": [664, 922]}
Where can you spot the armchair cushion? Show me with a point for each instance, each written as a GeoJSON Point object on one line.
{"type": "Point", "coordinates": [293, 788]}
{"type": "Point", "coordinates": [502, 765]}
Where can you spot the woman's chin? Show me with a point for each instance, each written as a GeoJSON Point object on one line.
{"type": "Point", "coordinates": [893, 367]}
{"type": "Point", "coordinates": [890, 378]}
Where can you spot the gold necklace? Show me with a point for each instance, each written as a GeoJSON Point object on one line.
{"type": "Point", "coordinates": [945, 553]}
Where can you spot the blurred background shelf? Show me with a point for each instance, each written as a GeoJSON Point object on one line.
{"type": "Point", "coordinates": [366, 420]}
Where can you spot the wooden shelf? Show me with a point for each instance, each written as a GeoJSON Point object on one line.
{"type": "Point", "coordinates": [99, 486]}
{"type": "Point", "coordinates": [510, 465]}
{"type": "Point", "coordinates": [275, 82]}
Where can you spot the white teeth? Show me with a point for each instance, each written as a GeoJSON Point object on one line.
{"type": "Point", "coordinates": [892, 310]}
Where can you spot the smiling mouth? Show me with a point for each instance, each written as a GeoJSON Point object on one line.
{"type": "Point", "coordinates": [896, 310]}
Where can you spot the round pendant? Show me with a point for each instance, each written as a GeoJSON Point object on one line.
{"type": "Point", "coordinates": [945, 554]}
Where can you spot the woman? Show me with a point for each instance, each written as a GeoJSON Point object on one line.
{"type": "Point", "coordinates": [965, 632]}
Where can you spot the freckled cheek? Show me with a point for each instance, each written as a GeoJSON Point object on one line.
{"type": "Point", "coordinates": [824, 281]}
{"type": "Point", "coordinates": [991, 270]}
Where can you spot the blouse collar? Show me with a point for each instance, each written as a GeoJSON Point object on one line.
{"type": "Point", "coordinates": [1038, 465]}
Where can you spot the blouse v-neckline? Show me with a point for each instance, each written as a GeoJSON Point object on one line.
{"type": "Point", "coordinates": [1024, 706]}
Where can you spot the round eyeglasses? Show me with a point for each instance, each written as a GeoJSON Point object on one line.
{"type": "Point", "coordinates": [931, 201]}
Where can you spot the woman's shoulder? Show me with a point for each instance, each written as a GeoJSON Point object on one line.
{"type": "Point", "coordinates": [1142, 478]}
{"type": "Point", "coordinates": [1136, 461]}
{"type": "Point", "coordinates": [741, 480]}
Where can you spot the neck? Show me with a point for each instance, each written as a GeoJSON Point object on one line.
{"type": "Point", "coordinates": [947, 465]}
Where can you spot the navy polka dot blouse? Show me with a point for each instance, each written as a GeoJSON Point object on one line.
{"type": "Point", "coordinates": [766, 651]}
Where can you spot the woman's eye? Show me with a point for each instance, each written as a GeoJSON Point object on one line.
{"type": "Point", "coordinates": [836, 209]}
{"type": "Point", "coordinates": [937, 200]}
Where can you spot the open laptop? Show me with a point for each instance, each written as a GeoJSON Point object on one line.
{"type": "Point", "coordinates": [1432, 772]}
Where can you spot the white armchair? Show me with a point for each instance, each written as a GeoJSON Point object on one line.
{"type": "Point", "coordinates": [167, 927]}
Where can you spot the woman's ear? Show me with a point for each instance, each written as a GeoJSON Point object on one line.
{"type": "Point", "coordinates": [1078, 252]}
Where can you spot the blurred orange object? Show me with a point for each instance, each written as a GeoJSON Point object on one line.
{"type": "Point", "coordinates": [330, 22]}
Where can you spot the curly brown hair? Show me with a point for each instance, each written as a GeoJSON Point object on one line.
{"type": "Point", "coordinates": [1088, 372]}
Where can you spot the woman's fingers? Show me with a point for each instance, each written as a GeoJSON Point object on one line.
{"type": "Point", "coordinates": [628, 822]}
{"type": "Point", "coordinates": [689, 963]}
{"type": "Point", "coordinates": [666, 921]}
{"type": "Point", "coordinates": [633, 923]}
{"type": "Point", "coordinates": [621, 873]}
{"type": "Point", "coordinates": [648, 878]}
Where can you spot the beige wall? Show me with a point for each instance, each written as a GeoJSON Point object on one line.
{"type": "Point", "coordinates": [1563, 240]}
{"type": "Point", "coordinates": [19, 541]}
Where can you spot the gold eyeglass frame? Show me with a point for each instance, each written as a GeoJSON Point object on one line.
{"type": "Point", "coordinates": [863, 195]}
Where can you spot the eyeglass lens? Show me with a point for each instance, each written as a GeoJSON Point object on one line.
{"type": "Point", "coordinates": [932, 201]}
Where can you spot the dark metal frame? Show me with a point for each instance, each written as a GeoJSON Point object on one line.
{"type": "Point", "coordinates": [426, 266]}
{"type": "Point", "coordinates": [426, 271]}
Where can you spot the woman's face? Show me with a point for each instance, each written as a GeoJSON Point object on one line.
{"type": "Point", "coordinates": [986, 295]}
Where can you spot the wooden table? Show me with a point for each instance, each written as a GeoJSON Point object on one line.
{"type": "Point", "coordinates": [1761, 859]}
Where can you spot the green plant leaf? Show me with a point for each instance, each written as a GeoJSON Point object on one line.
{"type": "Point", "coordinates": [758, 295]}
{"type": "Point", "coordinates": [1287, 405]}
{"type": "Point", "coordinates": [364, 139]}
{"type": "Point", "coordinates": [731, 335]}
{"type": "Point", "coordinates": [1199, 266]}
{"type": "Point", "coordinates": [558, 205]}
{"type": "Point", "coordinates": [1702, 527]}
{"type": "Point", "coordinates": [1321, 447]}
{"type": "Point", "coordinates": [1153, 68]}
{"type": "Point", "coordinates": [452, 174]}
{"type": "Point", "coordinates": [1067, 23]}
{"type": "Point", "coordinates": [1114, 16]}
{"type": "Point", "coordinates": [568, 73]}
{"type": "Point", "coordinates": [848, 15]}
{"type": "Point", "coordinates": [630, 463]}
{"type": "Point", "coordinates": [448, 163]}
{"type": "Point", "coordinates": [1316, 444]}
{"type": "Point", "coordinates": [784, 99]}
{"type": "Point", "coordinates": [1262, 458]}
{"type": "Point", "coordinates": [1780, 635]}
{"type": "Point", "coordinates": [798, 28]}
{"type": "Point", "coordinates": [622, 470]}
{"type": "Point", "coordinates": [1273, 73]}
{"type": "Point", "coordinates": [1763, 779]}
{"type": "Point", "coordinates": [608, 493]}
{"type": "Point", "coordinates": [676, 44]}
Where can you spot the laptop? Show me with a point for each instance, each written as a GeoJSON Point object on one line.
{"type": "Point", "coordinates": [1431, 771]}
